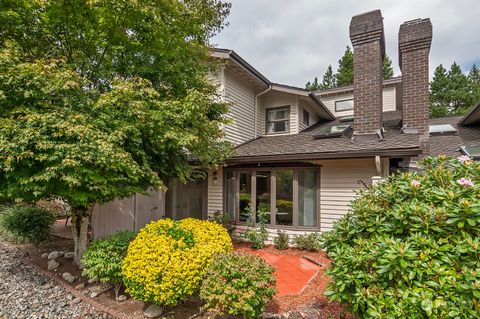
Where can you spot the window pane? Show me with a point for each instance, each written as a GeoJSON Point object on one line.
{"type": "Point", "coordinates": [306, 118]}
{"type": "Point", "coordinates": [280, 126]}
{"type": "Point", "coordinates": [307, 198]}
{"type": "Point", "coordinates": [263, 194]}
{"type": "Point", "coordinates": [231, 195]}
{"type": "Point", "coordinates": [245, 194]}
{"type": "Point", "coordinates": [284, 200]}
{"type": "Point", "coordinates": [346, 105]}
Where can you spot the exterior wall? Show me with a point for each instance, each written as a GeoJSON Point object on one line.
{"type": "Point", "coordinates": [128, 214]}
{"type": "Point", "coordinates": [338, 182]}
{"type": "Point", "coordinates": [215, 192]}
{"type": "Point", "coordinates": [390, 100]}
{"type": "Point", "coordinates": [313, 116]}
{"type": "Point", "coordinates": [242, 111]}
{"type": "Point", "coordinates": [275, 99]}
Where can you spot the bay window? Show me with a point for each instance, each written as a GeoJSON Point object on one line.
{"type": "Point", "coordinates": [288, 196]}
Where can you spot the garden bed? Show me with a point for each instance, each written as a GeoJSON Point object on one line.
{"type": "Point", "coordinates": [311, 294]}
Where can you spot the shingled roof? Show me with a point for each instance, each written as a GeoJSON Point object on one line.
{"type": "Point", "coordinates": [304, 145]}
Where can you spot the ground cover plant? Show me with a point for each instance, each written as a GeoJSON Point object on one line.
{"type": "Point", "coordinates": [28, 224]}
{"type": "Point", "coordinates": [238, 284]}
{"type": "Point", "coordinates": [104, 258]}
{"type": "Point", "coordinates": [310, 242]}
{"type": "Point", "coordinates": [166, 262]}
{"type": "Point", "coordinates": [410, 246]}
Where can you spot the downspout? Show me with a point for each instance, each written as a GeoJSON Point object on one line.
{"type": "Point", "coordinates": [255, 107]}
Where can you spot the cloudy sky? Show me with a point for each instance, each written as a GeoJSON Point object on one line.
{"type": "Point", "coordinates": [292, 41]}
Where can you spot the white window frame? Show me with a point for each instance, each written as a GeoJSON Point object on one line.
{"type": "Point", "coordinates": [286, 120]}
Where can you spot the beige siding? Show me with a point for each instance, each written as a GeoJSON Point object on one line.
{"type": "Point", "coordinates": [215, 192]}
{"type": "Point", "coordinates": [313, 116]}
{"type": "Point", "coordinates": [389, 101]}
{"type": "Point", "coordinates": [128, 214]}
{"type": "Point", "coordinates": [242, 111]}
{"type": "Point", "coordinates": [275, 99]}
{"type": "Point", "coordinates": [338, 180]}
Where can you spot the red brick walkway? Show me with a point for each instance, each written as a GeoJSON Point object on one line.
{"type": "Point", "coordinates": [293, 273]}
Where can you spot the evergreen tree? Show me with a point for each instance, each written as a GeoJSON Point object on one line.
{"type": "Point", "coordinates": [474, 79]}
{"type": "Point", "coordinates": [344, 74]}
{"type": "Point", "coordinates": [459, 97]}
{"type": "Point", "coordinates": [387, 68]}
{"type": "Point", "coordinates": [313, 86]}
{"type": "Point", "coordinates": [329, 80]}
{"type": "Point", "coordinates": [439, 93]}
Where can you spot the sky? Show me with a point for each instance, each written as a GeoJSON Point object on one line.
{"type": "Point", "coordinates": [292, 41]}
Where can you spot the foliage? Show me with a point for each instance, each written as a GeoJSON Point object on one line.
{"type": "Point", "coordinates": [344, 74]}
{"type": "Point", "coordinates": [310, 242]}
{"type": "Point", "coordinates": [281, 241]}
{"type": "Point", "coordinates": [257, 236]}
{"type": "Point", "coordinates": [104, 99]}
{"type": "Point", "coordinates": [409, 246]}
{"type": "Point", "coordinates": [31, 224]}
{"type": "Point", "coordinates": [166, 262]}
{"type": "Point", "coordinates": [238, 284]}
{"type": "Point", "coordinates": [103, 258]}
{"type": "Point", "coordinates": [6, 235]}
{"type": "Point", "coordinates": [453, 92]}
{"type": "Point", "coordinates": [225, 220]}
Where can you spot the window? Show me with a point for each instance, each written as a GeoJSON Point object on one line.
{"type": "Point", "coordinates": [306, 118]}
{"type": "Point", "coordinates": [278, 120]}
{"type": "Point", "coordinates": [345, 105]}
{"type": "Point", "coordinates": [332, 131]}
{"type": "Point", "coordinates": [472, 151]}
{"type": "Point", "coordinates": [442, 129]}
{"type": "Point", "coordinates": [288, 196]}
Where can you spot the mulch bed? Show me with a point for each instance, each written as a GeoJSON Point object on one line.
{"type": "Point", "coordinates": [313, 292]}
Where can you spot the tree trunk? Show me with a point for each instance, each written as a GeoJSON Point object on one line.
{"type": "Point", "coordinates": [80, 222]}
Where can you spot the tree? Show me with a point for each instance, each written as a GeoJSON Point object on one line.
{"type": "Point", "coordinates": [459, 97]}
{"type": "Point", "coordinates": [344, 75]}
{"type": "Point", "coordinates": [439, 105]}
{"type": "Point", "coordinates": [329, 80]}
{"type": "Point", "coordinates": [474, 79]}
{"type": "Point", "coordinates": [104, 99]}
{"type": "Point", "coordinates": [313, 86]}
{"type": "Point", "coordinates": [387, 68]}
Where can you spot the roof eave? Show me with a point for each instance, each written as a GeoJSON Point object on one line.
{"type": "Point", "coordinates": [469, 118]}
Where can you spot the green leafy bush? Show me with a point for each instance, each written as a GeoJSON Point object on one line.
{"type": "Point", "coordinates": [310, 242]}
{"type": "Point", "coordinates": [281, 241]}
{"type": "Point", "coordinates": [104, 257]}
{"type": "Point", "coordinates": [238, 284]}
{"type": "Point", "coordinates": [257, 236]}
{"type": "Point", "coordinates": [30, 224]}
{"type": "Point", "coordinates": [225, 220]}
{"type": "Point", "coordinates": [166, 262]}
{"type": "Point", "coordinates": [410, 246]}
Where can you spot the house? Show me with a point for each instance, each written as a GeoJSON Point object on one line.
{"type": "Point", "coordinates": [300, 155]}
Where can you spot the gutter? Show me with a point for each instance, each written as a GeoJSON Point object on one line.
{"type": "Point", "coordinates": [255, 108]}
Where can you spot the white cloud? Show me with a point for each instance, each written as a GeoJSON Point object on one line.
{"type": "Point", "coordinates": [292, 41]}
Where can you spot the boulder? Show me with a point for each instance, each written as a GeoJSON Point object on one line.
{"type": "Point", "coordinates": [55, 254]}
{"type": "Point", "coordinates": [92, 280]}
{"type": "Point", "coordinates": [68, 277]}
{"type": "Point", "coordinates": [44, 255]}
{"type": "Point", "coordinates": [122, 298]}
{"type": "Point", "coordinates": [52, 264]}
{"type": "Point", "coordinates": [70, 255]}
{"type": "Point", "coordinates": [153, 311]}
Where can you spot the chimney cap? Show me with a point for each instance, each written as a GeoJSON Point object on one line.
{"type": "Point", "coordinates": [414, 35]}
{"type": "Point", "coordinates": [367, 27]}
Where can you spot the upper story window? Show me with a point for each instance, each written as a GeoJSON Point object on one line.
{"type": "Point", "coordinates": [345, 105]}
{"type": "Point", "coordinates": [278, 120]}
{"type": "Point", "coordinates": [306, 118]}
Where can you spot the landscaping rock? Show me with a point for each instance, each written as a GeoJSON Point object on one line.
{"type": "Point", "coordinates": [76, 301]}
{"type": "Point", "coordinates": [122, 298]}
{"type": "Point", "coordinates": [45, 255]}
{"type": "Point", "coordinates": [70, 255]}
{"type": "Point", "coordinates": [92, 280]}
{"type": "Point", "coordinates": [55, 254]}
{"type": "Point", "coordinates": [52, 264]}
{"type": "Point", "coordinates": [68, 277]}
{"type": "Point", "coordinates": [153, 311]}
{"type": "Point", "coordinates": [80, 286]}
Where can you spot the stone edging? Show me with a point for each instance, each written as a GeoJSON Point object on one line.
{"type": "Point", "coordinates": [78, 294]}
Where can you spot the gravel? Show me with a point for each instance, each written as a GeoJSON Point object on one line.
{"type": "Point", "coordinates": [26, 293]}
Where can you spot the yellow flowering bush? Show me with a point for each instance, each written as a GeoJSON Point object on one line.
{"type": "Point", "coordinates": [166, 262]}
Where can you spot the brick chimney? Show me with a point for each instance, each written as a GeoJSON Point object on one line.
{"type": "Point", "coordinates": [366, 34]}
{"type": "Point", "coordinates": [414, 40]}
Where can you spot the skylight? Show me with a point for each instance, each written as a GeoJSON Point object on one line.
{"type": "Point", "coordinates": [332, 131]}
{"type": "Point", "coordinates": [442, 129]}
{"type": "Point", "coordinates": [472, 151]}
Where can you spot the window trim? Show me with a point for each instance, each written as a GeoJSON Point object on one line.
{"type": "Point", "coordinates": [307, 123]}
{"type": "Point", "coordinates": [344, 100]}
{"type": "Point", "coordinates": [273, 190]}
{"type": "Point", "coordinates": [277, 108]}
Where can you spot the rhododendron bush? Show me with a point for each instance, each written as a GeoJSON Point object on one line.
{"type": "Point", "coordinates": [410, 246]}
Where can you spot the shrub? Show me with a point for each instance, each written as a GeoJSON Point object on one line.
{"type": "Point", "coordinates": [225, 220]}
{"type": "Point", "coordinates": [238, 284]}
{"type": "Point", "coordinates": [31, 224]}
{"type": "Point", "coordinates": [310, 242]}
{"type": "Point", "coordinates": [281, 241]}
{"type": "Point", "coordinates": [410, 246]}
{"type": "Point", "coordinates": [257, 236]}
{"type": "Point", "coordinates": [165, 263]}
{"type": "Point", "coordinates": [103, 258]}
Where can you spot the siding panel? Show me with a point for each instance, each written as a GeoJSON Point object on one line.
{"type": "Point", "coordinates": [215, 192]}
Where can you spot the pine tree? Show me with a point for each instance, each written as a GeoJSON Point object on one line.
{"type": "Point", "coordinates": [387, 68]}
{"type": "Point", "coordinates": [439, 105]}
{"type": "Point", "coordinates": [460, 99]}
{"type": "Point", "coordinates": [344, 75]}
{"type": "Point", "coordinates": [474, 79]}
{"type": "Point", "coordinates": [313, 86]}
{"type": "Point", "coordinates": [329, 80]}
